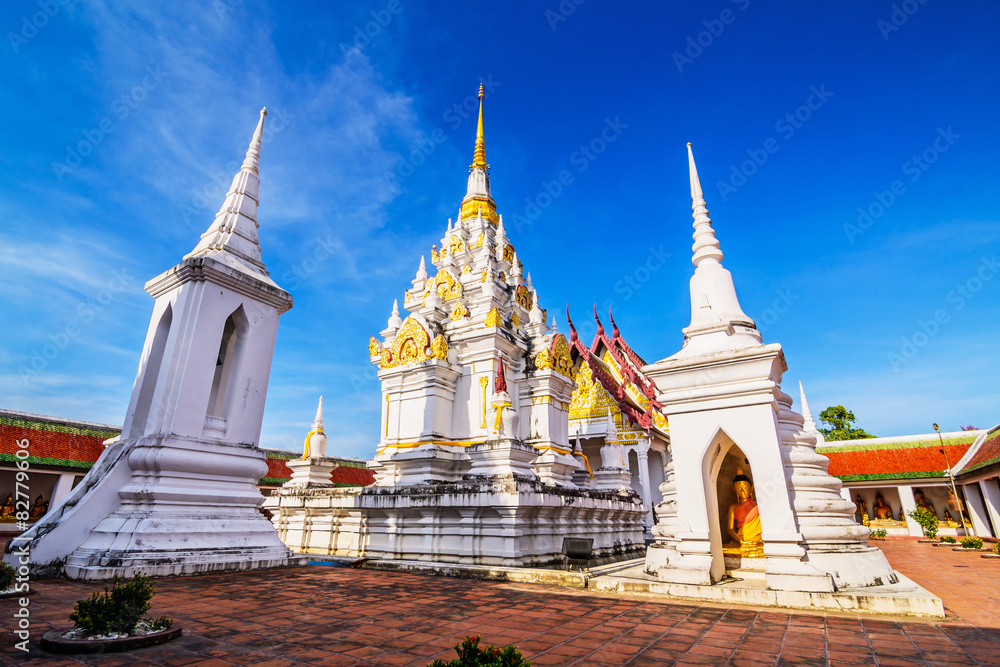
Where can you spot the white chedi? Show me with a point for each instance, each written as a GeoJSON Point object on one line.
{"type": "Point", "coordinates": [315, 444]}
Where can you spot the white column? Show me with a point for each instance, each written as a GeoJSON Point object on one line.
{"type": "Point", "coordinates": [62, 488]}
{"type": "Point", "coordinates": [642, 452]}
{"type": "Point", "coordinates": [991, 493]}
{"type": "Point", "coordinates": [845, 493]}
{"type": "Point", "coordinates": [909, 504]}
{"type": "Point", "coordinates": [977, 511]}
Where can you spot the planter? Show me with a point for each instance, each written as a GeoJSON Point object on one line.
{"type": "Point", "coordinates": [974, 550]}
{"type": "Point", "coordinates": [990, 555]}
{"type": "Point", "coordinates": [926, 541]}
{"type": "Point", "coordinates": [54, 642]}
{"type": "Point", "coordinates": [946, 544]}
{"type": "Point", "coordinates": [16, 594]}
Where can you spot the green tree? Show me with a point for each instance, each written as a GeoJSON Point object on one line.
{"type": "Point", "coordinates": [841, 424]}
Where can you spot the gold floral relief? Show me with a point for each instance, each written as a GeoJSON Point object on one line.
{"type": "Point", "coordinates": [455, 244]}
{"type": "Point", "coordinates": [482, 278]}
{"type": "Point", "coordinates": [466, 269]}
{"type": "Point", "coordinates": [459, 312]}
{"type": "Point", "coordinates": [561, 359]}
{"type": "Point", "coordinates": [515, 320]}
{"type": "Point", "coordinates": [409, 346]}
{"type": "Point", "coordinates": [493, 318]}
{"type": "Point", "coordinates": [374, 349]}
{"type": "Point", "coordinates": [447, 286]}
{"type": "Point", "coordinates": [479, 241]}
{"type": "Point", "coordinates": [523, 297]}
{"type": "Point", "coordinates": [543, 360]}
{"type": "Point", "coordinates": [439, 347]}
{"type": "Point", "coordinates": [508, 253]}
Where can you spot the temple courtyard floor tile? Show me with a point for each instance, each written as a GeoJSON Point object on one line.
{"type": "Point", "coordinates": [342, 616]}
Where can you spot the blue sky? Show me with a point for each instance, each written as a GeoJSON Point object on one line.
{"type": "Point", "coordinates": [125, 121]}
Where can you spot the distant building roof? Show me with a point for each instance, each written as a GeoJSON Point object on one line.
{"type": "Point", "coordinates": [898, 458]}
{"type": "Point", "coordinates": [984, 453]}
{"type": "Point", "coordinates": [70, 443]}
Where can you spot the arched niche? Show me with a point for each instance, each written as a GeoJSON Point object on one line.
{"type": "Point", "coordinates": [723, 459]}
{"type": "Point", "coordinates": [151, 374]}
{"type": "Point", "coordinates": [228, 363]}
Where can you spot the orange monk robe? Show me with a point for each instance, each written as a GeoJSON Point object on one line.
{"type": "Point", "coordinates": [747, 519]}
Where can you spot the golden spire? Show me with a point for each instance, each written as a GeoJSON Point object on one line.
{"type": "Point", "coordinates": [479, 156]}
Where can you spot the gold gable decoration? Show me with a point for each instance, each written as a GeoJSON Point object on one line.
{"type": "Point", "coordinates": [459, 312]}
{"type": "Point", "coordinates": [374, 350]}
{"type": "Point", "coordinates": [479, 241]}
{"type": "Point", "coordinates": [455, 244]}
{"type": "Point", "coordinates": [470, 209]}
{"type": "Point", "coordinates": [439, 347]}
{"type": "Point", "coordinates": [493, 318]}
{"type": "Point", "coordinates": [410, 346]}
{"type": "Point", "coordinates": [561, 360]}
{"type": "Point", "coordinates": [508, 253]}
{"type": "Point", "coordinates": [523, 297]}
{"type": "Point", "coordinates": [448, 288]}
{"type": "Point", "coordinates": [590, 399]}
{"type": "Point", "coordinates": [543, 360]}
{"type": "Point", "coordinates": [515, 320]}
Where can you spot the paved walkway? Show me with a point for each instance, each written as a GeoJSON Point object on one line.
{"type": "Point", "coordinates": [339, 616]}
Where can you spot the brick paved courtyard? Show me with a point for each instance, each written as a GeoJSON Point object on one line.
{"type": "Point", "coordinates": [340, 616]}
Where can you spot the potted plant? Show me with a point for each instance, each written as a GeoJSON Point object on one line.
{"type": "Point", "coordinates": [877, 533]}
{"type": "Point", "coordinates": [927, 519]}
{"type": "Point", "coordinates": [471, 654]}
{"type": "Point", "coordinates": [972, 543]}
{"type": "Point", "coordinates": [113, 621]}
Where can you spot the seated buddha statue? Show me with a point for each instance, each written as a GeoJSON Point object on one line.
{"type": "Point", "coordinates": [743, 524]}
{"type": "Point", "coordinates": [7, 509]}
{"type": "Point", "coordinates": [948, 519]}
{"type": "Point", "coordinates": [39, 509]}
{"type": "Point", "coordinates": [881, 509]}
{"type": "Point", "coordinates": [921, 501]}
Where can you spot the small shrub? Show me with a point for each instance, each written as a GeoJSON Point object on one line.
{"type": "Point", "coordinates": [117, 610]}
{"type": "Point", "coordinates": [927, 519]}
{"type": "Point", "coordinates": [471, 654]}
{"type": "Point", "coordinates": [161, 623]}
{"type": "Point", "coordinates": [6, 576]}
{"type": "Point", "coordinates": [877, 533]}
{"type": "Point", "coordinates": [996, 548]}
{"type": "Point", "coordinates": [948, 539]}
{"type": "Point", "coordinates": [971, 542]}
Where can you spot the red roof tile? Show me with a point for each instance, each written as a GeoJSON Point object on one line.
{"type": "Point", "coordinates": [987, 454]}
{"type": "Point", "coordinates": [893, 460]}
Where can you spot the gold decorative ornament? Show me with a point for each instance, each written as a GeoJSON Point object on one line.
{"type": "Point", "coordinates": [411, 345]}
{"type": "Point", "coordinates": [459, 312]}
{"type": "Point", "coordinates": [590, 400]}
{"type": "Point", "coordinates": [455, 244]}
{"type": "Point", "coordinates": [435, 255]}
{"type": "Point", "coordinates": [508, 253]}
{"type": "Point", "coordinates": [439, 347]}
{"type": "Point", "coordinates": [515, 320]}
{"type": "Point", "coordinates": [447, 286]}
{"type": "Point", "coordinates": [493, 318]}
{"type": "Point", "coordinates": [374, 349]}
{"type": "Point", "coordinates": [523, 297]}
{"type": "Point", "coordinates": [562, 362]}
{"type": "Point", "coordinates": [470, 209]}
{"type": "Point", "coordinates": [482, 278]}
{"type": "Point", "coordinates": [543, 360]}
{"type": "Point", "coordinates": [479, 241]}
{"type": "Point", "coordinates": [483, 382]}
{"type": "Point", "coordinates": [466, 269]}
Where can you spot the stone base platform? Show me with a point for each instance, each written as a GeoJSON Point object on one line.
{"type": "Point", "coordinates": [492, 521]}
{"type": "Point", "coordinates": [904, 598]}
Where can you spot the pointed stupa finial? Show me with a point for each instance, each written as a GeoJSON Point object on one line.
{"type": "Point", "coordinates": [515, 267]}
{"type": "Point", "coordinates": [252, 160]}
{"type": "Point", "coordinates": [554, 327]}
{"type": "Point", "coordinates": [318, 422]}
{"type": "Point", "coordinates": [809, 424]}
{"type": "Point", "coordinates": [535, 315]}
{"type": "Point", "coordinates": [527, 282]}
{"type": "Point", "coordinates": [479, 156]}
{"type": "Point", "coordinates": [395, 321]}
{"type": "Point", "coordinates": [706, 246]}
{"type": "Point", "coordinates": [449, 227]}
{"type": "Point", "coordinates": [500, 384]}
{"type": "Point", "coordinates": [501, 231]}
{"type": "Point", "coordinates": [422, 269]}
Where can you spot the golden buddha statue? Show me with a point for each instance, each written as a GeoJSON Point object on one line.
{"type": "Point", "coordinates": [743, 522]}
{"type": "Point", "coordinates": [881, 510]}
{"type": "Point", "coordinates": [39, 509]}
{"type": "Point", "coordinates": [948, 519]}
{"type": "Point", "coordinates": [921, 501]}
{"type": "Point", "coordinates": [7, 509]}
{"type": "Point", "coordinates": [862, 509]}
{"type": "Point", "coordinates": [902, 516]}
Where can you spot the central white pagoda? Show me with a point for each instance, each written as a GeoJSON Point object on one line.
{"type": "Point", "coordinates": [474, 463]}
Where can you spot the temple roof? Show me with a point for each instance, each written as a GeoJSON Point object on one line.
{"type": "Point", "coordinates": [899, 458]}
{"type": "Point", "coordinates": [984, 452]}
{"type": "Point", "coordinates": [618, 369]}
